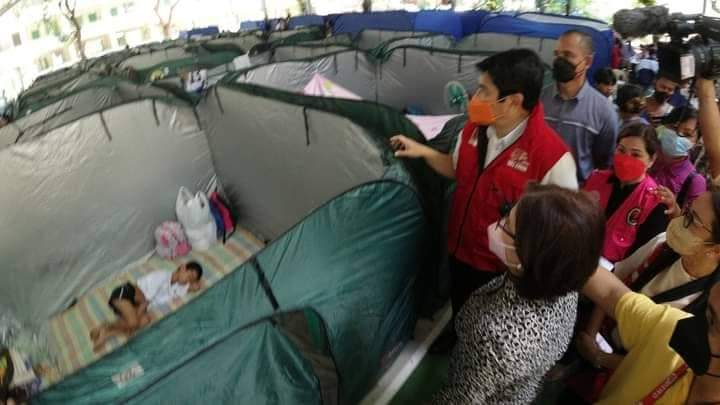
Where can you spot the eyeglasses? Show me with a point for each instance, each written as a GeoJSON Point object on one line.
{"type": "Point", "coordinates": [502, 225]}
{"type": "Point", "coordinates": [690, 217]}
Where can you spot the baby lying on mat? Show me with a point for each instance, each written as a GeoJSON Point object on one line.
{"type": "Point", "coordinates": [131, 302]}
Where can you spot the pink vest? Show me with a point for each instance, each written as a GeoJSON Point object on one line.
{"type": "Point", "coordinates": [621, 228]}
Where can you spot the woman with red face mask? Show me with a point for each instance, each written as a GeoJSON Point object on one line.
{"type": "Point", "coordinates": [628, 195]}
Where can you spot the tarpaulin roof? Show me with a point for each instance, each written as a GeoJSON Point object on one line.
{"type": "Point", "coordinates": [449, 22]}
{"type": "Point", "coordinates": [386, 20]}
{"type": "Point", "coordinates": [305, 21]}
{"type": "Point", "coordinates": [207, 31]}
{"type": "Point", "coordinates": [552, 26]}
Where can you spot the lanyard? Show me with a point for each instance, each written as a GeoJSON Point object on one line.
{"type": "Point", "coordinates": [664, 386]}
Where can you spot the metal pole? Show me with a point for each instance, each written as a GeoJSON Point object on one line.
{"type": "Point", "coordinates": [568, 7]}
{"type": "Point", "coordinates": [704, 6]}
{"type": "Point", "coordinates": [264, 6]}
{"type": "Point", "coordinates": [309, 8]}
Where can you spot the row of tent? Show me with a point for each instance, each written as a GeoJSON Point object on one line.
{"type": "Point", "coordinates": [98, 151]}
{"type": "Point", "coordinates": [460, 25]}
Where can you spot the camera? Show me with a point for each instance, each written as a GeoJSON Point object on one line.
{"type": "Point", "coordinates": [694, 46]}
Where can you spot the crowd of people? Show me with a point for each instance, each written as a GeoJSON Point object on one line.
{"type": "Point", "coordinates": [582, 225]}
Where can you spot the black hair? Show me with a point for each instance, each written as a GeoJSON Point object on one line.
{"type": "Point", "coordinates": [195, 266]}
{"type": "Point", "coordinates": [605, 76]}
{"type": "Point", "coordinates": [516, 71]}
{"type": "Point", "coordinates": [559, 238]}
{"type": "Point", "coordinates": [646, 132]}
{"type": "Point", "coordinates": [680, 115]}
{"type": "Point", "coordinates": [630, 98]}
{"type": "Point", "coordinates": [585, 40]}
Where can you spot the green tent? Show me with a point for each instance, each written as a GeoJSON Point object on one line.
{"type": "Point", "coordinates": [313, 317]}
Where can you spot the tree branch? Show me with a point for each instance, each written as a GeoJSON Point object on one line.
{"type": "Point", "coordinates": [8, 6]}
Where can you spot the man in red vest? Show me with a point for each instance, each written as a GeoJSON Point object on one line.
{"type": "Point", "coordinates": [505, 144]}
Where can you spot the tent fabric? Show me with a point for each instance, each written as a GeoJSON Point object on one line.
{"type": "Point", "coordinates": [299, 52]}
{"type": "Point", "coordinates": [369, 39]}
{"type": "Point", "coordinates": [387, 83]}
{"type": "Point", "coordinates": [70, 222]}
{"type": "Point", "coordinates": [353, 23]}
{"type": "Point", "coordinates": [306, 21]}
{"type": "Point", "coordinates": [265, 209]}
{"type": "Point", "coordinates": [77, 104]}
{"type": "Point", "coordinates": [454, 24]}
{"type": "Point", "coordinates": [527, 27]}
{"type": "Point", "coordinates": [497, 42]}
{"type": "Point", "coordinates": [354, 289]}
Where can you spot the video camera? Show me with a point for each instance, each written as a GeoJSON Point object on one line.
{"type": "Point", "coordinates": [694, 46]}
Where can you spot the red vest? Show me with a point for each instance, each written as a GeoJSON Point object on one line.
{"type": "Point", "coordinates": [483, 197]}
{"type": "Point", "coordinates": [621, 228]}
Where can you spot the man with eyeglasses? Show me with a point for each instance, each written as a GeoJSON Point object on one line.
{"type": "Point", "coordinates": [674, 170]}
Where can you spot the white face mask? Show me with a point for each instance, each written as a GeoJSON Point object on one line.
{"type": "Point", "coordinates": [506, 253]}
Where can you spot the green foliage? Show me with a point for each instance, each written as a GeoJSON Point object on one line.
{"type": "Point", "coordinates": [492, 5]}
{"type": "Point", "coordinates": [645, 3]}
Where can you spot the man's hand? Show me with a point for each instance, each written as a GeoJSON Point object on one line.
{"type": "Point", "coordinates": [705, 88]}
{"type": "Point", "coordinates": [407, 148]}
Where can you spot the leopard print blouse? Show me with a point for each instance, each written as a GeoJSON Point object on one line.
{"type": "Point", "coordinates": [506, 344]}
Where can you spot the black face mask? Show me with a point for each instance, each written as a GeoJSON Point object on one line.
{"type": "Point", "coordinates": [661, 97]}
{"type": "Point", "coordinates": [563, 70]}
{"type": "Point", "coordinates": [690, 341]}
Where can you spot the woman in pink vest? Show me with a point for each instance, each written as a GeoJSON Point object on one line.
{"type": "Point", "coordinates": [628, 195]}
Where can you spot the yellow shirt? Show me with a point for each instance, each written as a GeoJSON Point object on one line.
{"type": "Point", "coordinates": [645, 329]}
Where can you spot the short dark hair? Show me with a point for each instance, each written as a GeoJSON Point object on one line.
{"type": "Point", "coordinates": [516, 71]}
{"type": "Point", "coordinates": [605, 76]}
{"type": "Point", "coordinates": [585, 39]}
{"type": "Point", "coordinates": [559, 237]}
{"type": "Point", "coordinates": [679, 115]}
{"type": "Point", "coordinates": [646, 132]}
{"type": "Point", "coordinates": [627, 93]}
{"type": "Point", "coordinates": [196, 267]}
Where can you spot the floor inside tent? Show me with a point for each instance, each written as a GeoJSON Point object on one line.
{"type": "Point", "coordinates": [69, 339]}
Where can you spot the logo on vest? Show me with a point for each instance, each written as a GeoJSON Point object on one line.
{"type": "Point", "coordinates": [519, 160]}
{"type": "Point", "coordinates": [633, 216]}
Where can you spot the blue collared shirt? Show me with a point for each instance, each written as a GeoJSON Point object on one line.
{"type": "Point", "coordinates": [588, 124]}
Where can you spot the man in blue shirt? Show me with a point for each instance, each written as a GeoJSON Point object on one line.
{"type": "Point", "coordinates": [583, 117]}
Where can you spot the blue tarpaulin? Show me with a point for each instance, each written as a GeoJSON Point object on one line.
{"type": "Point", "coordinates": [353, 23]}
{"type": "Point", "coordinates": [532, 25]}
{"type": "Point", "coordinates": [199, 32]}
{"type": "Point", "coordinates": [450, 23]}
{"type": "Point", "coordinates": [306, 21]}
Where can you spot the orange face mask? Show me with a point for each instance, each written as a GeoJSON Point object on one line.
{"type": "Point", "coordinates": [480, 112]}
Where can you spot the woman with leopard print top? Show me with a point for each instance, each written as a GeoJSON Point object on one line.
{"type": "Point", "coordinates": [513, 330]}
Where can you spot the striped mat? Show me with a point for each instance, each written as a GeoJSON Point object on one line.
{"type": "Point", "coordinates": [70, 331]}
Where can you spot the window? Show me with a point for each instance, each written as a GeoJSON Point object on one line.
{"type": "Point", "coordinates": [122, 41]}
{"type": "Point", "coordinates": [92, 17]}
{"type": "Point", "coordinates": [114, 11]}
{"type": "Point", "coordinates": [128, 7]}
{"type": "Point", "coordinates": [35, 34]}
{"type": "Point", "coordinates": [16, 39]}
